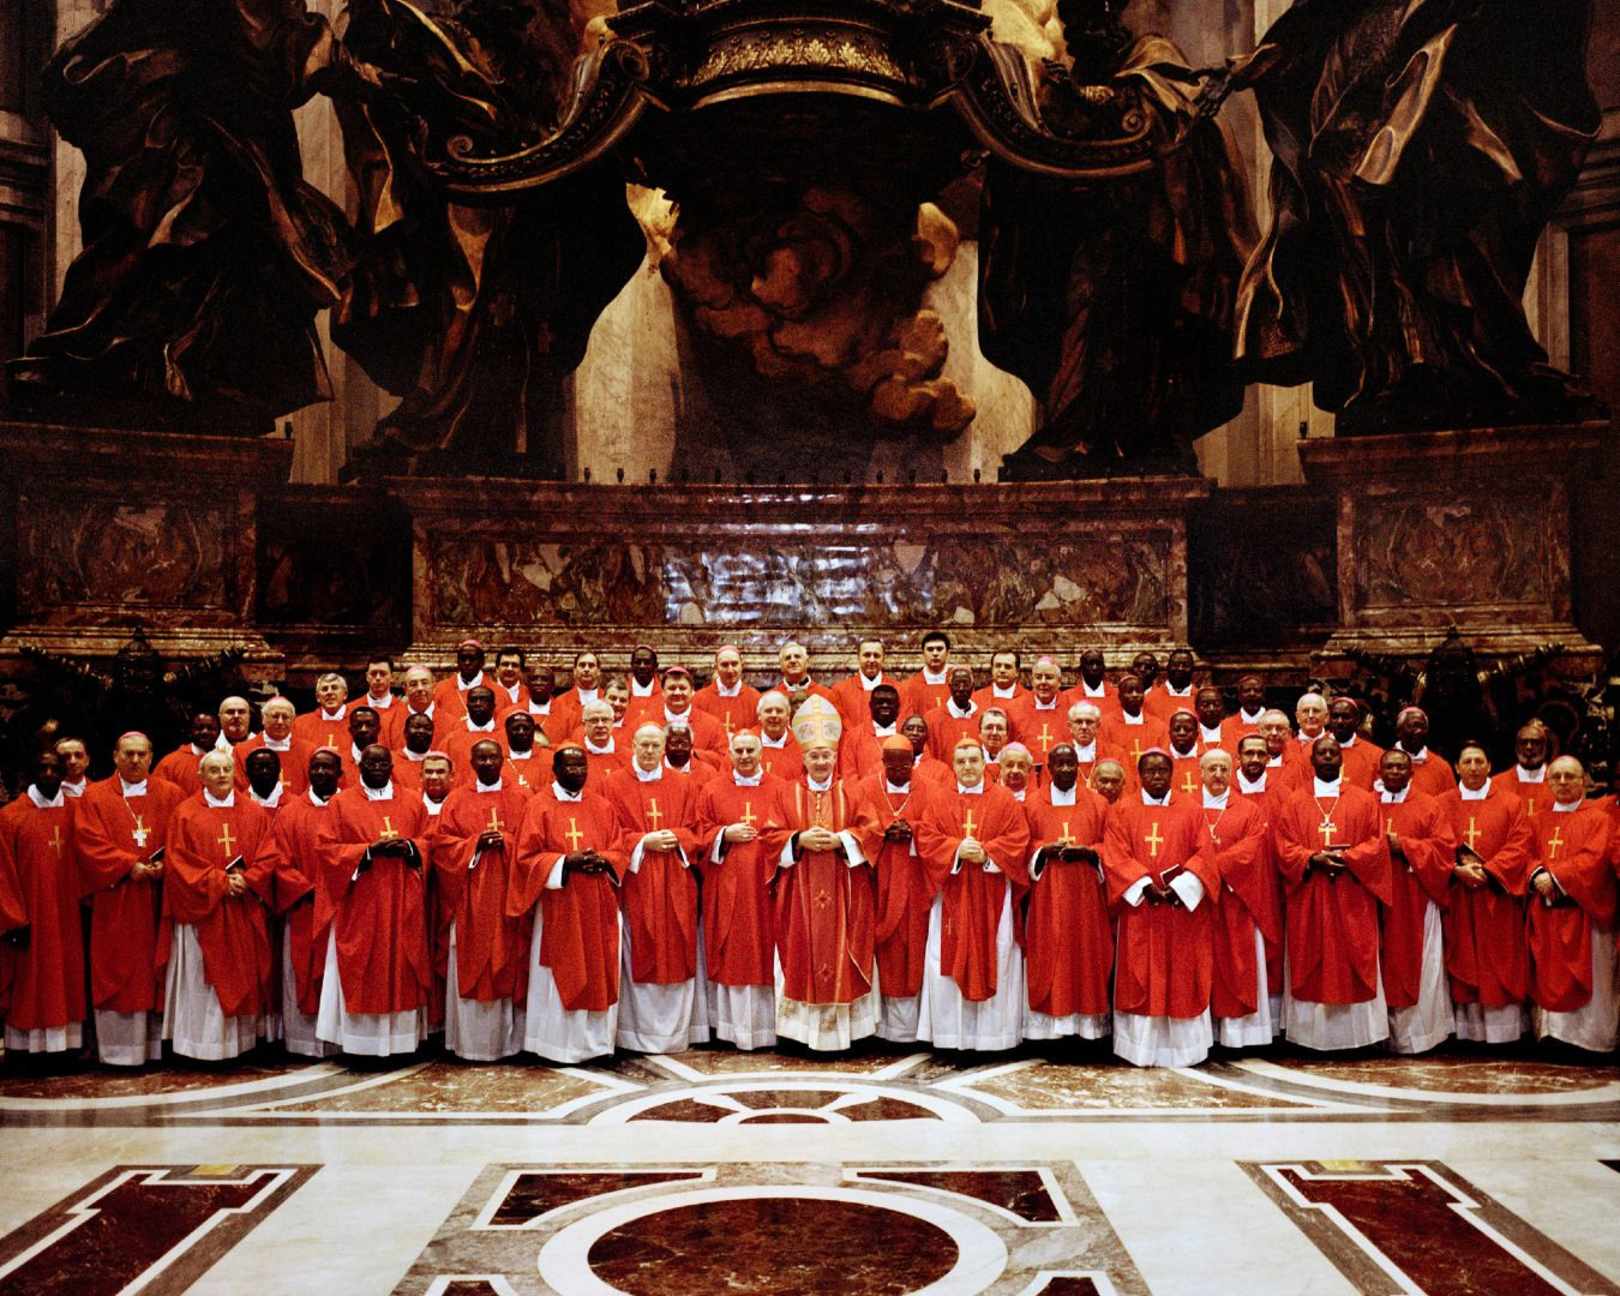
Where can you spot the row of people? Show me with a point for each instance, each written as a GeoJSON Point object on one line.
{"type": "Point", "coordinates": [680, 904]}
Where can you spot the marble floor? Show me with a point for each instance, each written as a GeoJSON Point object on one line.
{"type": "Point", "coordinates": [887, 1172]}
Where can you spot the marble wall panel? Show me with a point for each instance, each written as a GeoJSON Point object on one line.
{"type": "Point", "coordinates": [1262, 569]}
{"type": "Point", "coordinates": [331, 564]}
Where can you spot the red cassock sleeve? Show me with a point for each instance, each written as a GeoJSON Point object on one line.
{"type": "Point", "coordinates": [104, 860]}
{"type": "Point", "coordinates": [194, 884]}
{"type": "Point", "coordinates": [1243, 862]}
{"type": "Point", "coordinates": [1582, 870]}
{"type": "Point", "coordinates": [1426, 837]}
{"type": "Point", "coordinates": [13, 911]}
{"type": "Point", "coordinates": [1368, 859]}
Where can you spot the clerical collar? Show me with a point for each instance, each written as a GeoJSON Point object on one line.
{"type": "Point", "coordinates": [587, 695]}
{"type": "Point", "coordinates": [931, 677]}
{"type": "Point", "coordinates": [1392, 798]}
{"type": "Point", "coordinates": [765, 740]}
{"type": "Point", "coordinates": [1086, 755]}
{"type": "Point", "coordinates": [563, 794]}
{"type": "Point", "coordinates": [1019, 794]}
{"type": "Point", "coordinates": [682, 718]}
{"type": "Point", "coordinates": [1418, 756]}
{"type": "Point", "coordinates": [511, 693]}
{"type": "Point", "coordinates": [1209, 735]}
{"type": "Point", "coordinates": [637, 691]}
{"type": "Point", "coordinates": [1466, 793]}
{"type": "Point", "coordinates": [952, 709]}
{"type": "Point", "coordinates": [384, 793]}
{"type": "Point", "coordinates": [647, 776]}
{"type": "Point", "coordinates": [1011, 691]}
{"type": "Point", "coordinates": [489, 787]}
{"type": "Point", "coordinates": [483, 728]}
{"type": "Point", "coordinates": [427, 710]}
{"type": "Point", "coordinates": [222, 743]}
{"type": "Point", "coordinates": [200, 751]}
{"type": "Point", "coordinates": [513, 753]}
{"type": "Point", "coordinates": [975, 790]}
{"type": "Point", "coordinates": [316, 800]}
{"type": "Point", "coordinates": [1173, 691]}
{"type": "Point", "coordinates": [1177, 754]}
{"type": "Point", "coordinates": [270, 802]}
{"type": "Point", "coordinates": [747, 780]}
{"type": "Point", "coordinates": [55, 803]}
{"type": "Point", "coordinates": [379, 703]}
{"type": "Point", "coordinates": [1139, 718]}
{"type": "Point", "coordinates": [1213, 802]}
{"type": "Point", "coordinates": [722, 691]}
{"type": "Point", "coordinates": [1038, 705]}
{"type": "Point", "coordinates": [1537, 775]}
{"type": "Point", "coordinates": [131, 789]}
{"type": "Point", "coordinates": [1274, 762]}
{"type": "Point", "coordinates": [74, 789]}
{"type": "Point", "coordinates": [1100, 691]}
{"type": "Point", "coordinates": [332, 717]}
{"type": "Point", "coordinates": [276, 744]}
{"type": "Point", "coordinates": [1332, 789]}
{"type": "Point", "coordinates": [884, 731]}
{"type": "Point", "coordinates": [819, 787]}
{"type": "Point", "coordinates": [679, 769]}
{"type": "Point", "coordinates": [594, 750]}
{"type": "Point", "coordinates": [869, 684]}
{"type": "Point", "coordinates": [430, 805]}
{"type": "Point", "coordinates": [467, 686]}
{"type": "Point", "coordinates": [989, 759]}
{"type": "Point", "coordinates": [540, 708]}
{"type": "Point", "coordinates": [210, 800]}
{"type": "Point", "coordinates": [1567, 807]}
{"type": "Point", "coordinates": [1250, 717]}
{"type": "Point", "coordinates": [1348, 743]}
{"type": "Point", "coordinates": [1062, 798]}
{"type": "Point", "coordinates": [895, 787]}
{"type": "Point", "coordinates": [1248, 788]}
{"type": "Point", "coordinates": [1303, 737]}
{"type": "Point", "coordinates": [409, 755]}
{"type": "Point", "coordinates": [354, 753]}
{"type": "Point", "coordinates": [1149, 801]}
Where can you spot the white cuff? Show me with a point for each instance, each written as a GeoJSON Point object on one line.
{"type": "Point", "coordinates": [1133, 893]}
{"type": "Point", "coordinates": [473, 863]}
{"type": "Point", "coordinates": [852, 848]}
{"type": "Point", "coordinates": [717, 853]}
{"type": "Point", "coordinates": [1189, 888]}
{"type": "Point", "coordinates": [1036, 868]}
{"type": "Point", "coordinates": [785, 859]}
{"type": "Point", "coordinates": [956, 860]}
{"type": "Point", "coordinates": [554, 879]}
{"type": "Point", "coordinates": [990, 866]}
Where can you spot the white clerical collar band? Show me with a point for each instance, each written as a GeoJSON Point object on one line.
{"type": "Point", "coordinates": [1392, 798]}
{"type": "Point", "coordinates": [896, 787]}
{"type": "Point", "coordinates": [1567, 807]}
{"type": "Point", "coordinates": [1209, 735]}
{"type": "Point", "coordinates": [975, 790]}
{"type": "Point", "coordinates": [467, 686]}
{"type": "Point", "coordinates": [1466, 793]}
{"type": "Point", "coordinates": [1149, 801]}
{"type": "Point", "coordinates": [767, 741]}
{"type": "Point", "coordinates": [132, 789]}
{"type": "Point", "coordinates": [722, 691]}
{"type": "Point", "coordinates": [814, 787]}
{"type": "Point", "coordinates": [380, 703]}
{"type": "Point", "coordinates": [316, 800]}
{"type": "Point", "coordinates": [1062, 798]}
{"type": "Point", "coordinates": [277, 744]}
{"type": "Point", "coordinates": [1213, 802]}
{"type": "Point", "coordinates": [747, 780]}
{"type": "Point", "coordinates": [1086, 755]}
{"type": "Point", "coordinates": [594, 750]}
{"type": "Point", "coordinates": [1249, 788]}
{"type": "Point", "coordinates": [1328, 789]}
{"type": "Point", "coordinates": [496, 786]}
{"type": "Point", "coordinates": [647, 776]}
{"type": "Point", "coordinates": [637, 691]}
{"type": "Point", "coordinates": [563, 794]}
{"type": "Point", "coordinates": [930, 677]}
{"type": "Point", "coordinates": [1139, 719]}
{"type": "Point", "coordinates": [384, 793]}
{"type": "Point", "coordinates": [1537, 775]}
{"type": "Point", "coordinates": [60, 799]}
{"type": "Point", "coordinates": [409, 755]}
{"type": "Point", "coordinates": [869, 684]}
{"type": "Point", "coordinates": [210, 800]}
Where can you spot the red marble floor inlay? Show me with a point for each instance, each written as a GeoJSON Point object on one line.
{"type": "Point", "coordinates": [886, 1109]}
{"type": "Point", "coordinates": [796, 1247]}
{"type": "Point", "coordinates": [122, 1227]}
{"type": "Point", "coordinates": [784, 1118]}
{"type": "Point", "coordinates": [1022, 1192]}
{"type": "Point", "coordinates": [1423, 1219]}
{"type": "Point", "coordinates": [685, 1109]}
{"type": "Point", "coordinates": [1064, 1286]}
{"type": "Point", "coordinates": [534, 1194]}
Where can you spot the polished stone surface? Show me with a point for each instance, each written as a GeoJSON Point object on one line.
{"type": "Point", "coordinates": [1046, 1170]}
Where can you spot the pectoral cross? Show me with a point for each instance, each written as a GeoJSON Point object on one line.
{"type": "Point", "coordinates": [1045, 738]}
{"type": "Point", "coordinates": [655, 816]}
{"type": "Point", "coordinates": [1153, 840]}
{"type": "Point", "coordinates": [495, 824]}
{"type": "Point", "coordinates": [1066, 839]}
{"type": "Point", "coordinates": [331, 739]}
{"type": "Point", "coordinates": [573, 834]}
{"type": "Point", "coordinates": [1529, 807]}
{"type": "Point", "coordinates": [389, 832]}
{"type": "Point", "coordinates": [1136, 750]}
{"type": "Point", "coordinates": [228, 842]}
{"type": "Point", "coordinates": [968, 825]}
{"type": "Point", "coordinates": [728, 728]}
{"type": "Point", "coordinates": [523, 780]}
{"type": "Point", "coordinates": [1189, 785]}
{"type": "Point", "coordinates": [55, 842]}
{"type": "Point", "coordinates": [748, 816]}
{"type": "Point", "coordinates": [141, 833]}
{"type": "Point", "coordinates": [1472, 834]}
{"type": "Point", "coordinates": [1554, 842]}
{"type": "Point", "coordinates": [1327, 828]}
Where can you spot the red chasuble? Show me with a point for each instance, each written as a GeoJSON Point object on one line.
{"type": "Point", "coordinates": [179, 767]}
{"type": "Point", "coordinates": [970, 897]}
{"type": "Point", "coordinates": [661, 896]}
{"type": "Point", "coordinates": [919, 697]}
{"type": "Point", "coordinates": [860, 752]}
{"type": "Point", "coordinates": [824, 909]}
{"type": "Point", "coordinates": [1068, 934]}
{"type": "Point", "coordinates": [1237, 841]}
{"type": "Point", "coordinates": [598, 765]}
{"type": "Point", "coordinates": [739, 941]}
{"type": "Point", "coordinates": [946, 729]}
{"type": "Point", "coordinates": [732, 713]}
{"type": "Point", "coordinates": [1159, 703]}
{"type": "Point", "coordinates": [1130, 741]}
{"type": "Point", "coordinates": [1333, 923]}
{"type": "Point", "coordinates": [1361, 761]}
{"type": "Point", "coordinates": [1186, 780]}
{"type": "Point", "coordinates": [291, 854]}
{"type": "Point", "coordinates": [1433, 775]}
{"type": "Point", "coordinates": [1425, 835]}
{"type": "Point", "coordinates": [1574, 848]}
{"type": "Point", "coordinates": [294, 765]}
{"type": "Point", "coordinates": [1534, 797]}
{"type": "Point", "coordinates": [47, 976]}
{"type": "Point", "coordinates": [492, 949]}
{"type": "Point", "coordinates": [458, 745]}
{"type": "Point", "coordinates": [1039, 729]}
{"type": "Point", "coordinates": [380, 916]}
{"type": "Point", "coordinates": [531, 773]}
{"type": "Point", "coordinates": [233, 933]}
{"type": "Point", "coordinates": [1166, 962]}
{"type": "Point", "coordinates": [317, 729]}
{"type": "Point", "coordinates": [783, 762]}
{"type": "Point", "coordinates": [904, 894]}
{"type": "Point", "coordinates": [1487, 956]}
{"type": "Point", "coordinates": [579, 932]}
{"type": "Point", "coordinates": [128, 946]}
{"type": "Point", "coordinates": [854, 700]}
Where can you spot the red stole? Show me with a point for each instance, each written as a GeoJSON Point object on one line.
{"type": "Point", "coordinates": [1237, 842]}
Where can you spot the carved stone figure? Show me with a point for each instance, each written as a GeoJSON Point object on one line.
{"type": "Point", "coordinates": [206, 255]}
{"type": "Point", "coordinates": [1112, 298]}
{"type": "Point", "coordinates": [1420, 149]}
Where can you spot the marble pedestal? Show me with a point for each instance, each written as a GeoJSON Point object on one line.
{"type": "Point", "coordinates": [559, 567]}
{"type": "Point", "coordinates": [1467, 528]}
{"type": "Point", "coordinates": [104, 528]}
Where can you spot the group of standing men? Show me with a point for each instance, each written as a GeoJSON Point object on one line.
{"type": "Point", "coordinates": [637, 863]}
